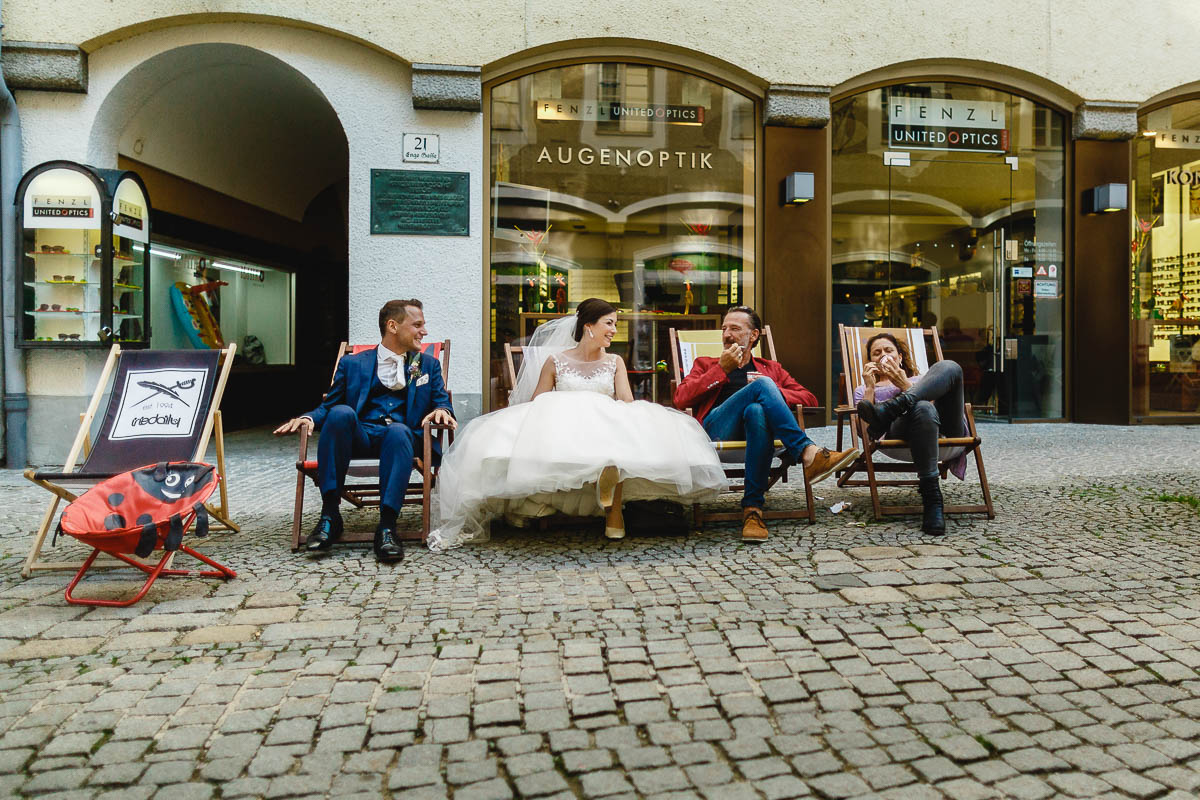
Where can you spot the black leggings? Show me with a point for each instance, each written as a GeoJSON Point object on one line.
{"type": "Point", "coordinates": [938, 411]}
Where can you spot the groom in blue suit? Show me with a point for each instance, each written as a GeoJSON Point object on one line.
{"type": "Point", "coordinates": [375, 408]}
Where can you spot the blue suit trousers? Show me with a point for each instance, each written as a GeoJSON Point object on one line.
{"type": "Point", "coordinates": [344, 436]}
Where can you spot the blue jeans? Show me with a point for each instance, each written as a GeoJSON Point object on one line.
{"type": "Point", "coordinates": [345, 436]}
{"type": "Point", "coordinates": [759, 415]}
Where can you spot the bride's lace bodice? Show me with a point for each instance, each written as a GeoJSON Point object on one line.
{"type": "Point", "coordinates": [585, 376]}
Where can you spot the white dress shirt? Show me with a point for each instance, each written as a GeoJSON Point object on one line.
{"type": "Point", "coordinates": [389, 368]}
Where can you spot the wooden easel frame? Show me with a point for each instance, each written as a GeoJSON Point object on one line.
{"type": "Point", "coordinates": [82, 445]}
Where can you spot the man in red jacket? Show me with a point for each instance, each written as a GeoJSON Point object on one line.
{"type": "Point", "coordinates": [740, 397]}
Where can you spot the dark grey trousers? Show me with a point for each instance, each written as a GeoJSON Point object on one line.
{"type": "Point", "coordinates": [938, 411]}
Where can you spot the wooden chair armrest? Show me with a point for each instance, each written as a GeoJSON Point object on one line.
{"type": "Point", "coordinates": [428, 428]}
{"type": "Point", "coordinates": [303, 443]}
{"type": "Point", "coordinates": [800, 411]}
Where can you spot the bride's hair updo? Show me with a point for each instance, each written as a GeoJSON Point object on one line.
{"type": "Point", "coordinates": [589, 311]}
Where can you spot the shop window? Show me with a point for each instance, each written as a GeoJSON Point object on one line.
{"type": "Point", "coordinates": [203, 299]}
{"type": "Point", "coordinates": [1165, 262]}
{"type": "Point", "coordinates": [628, 182]}
{"type": "Point", "coordinates": [948, 211]}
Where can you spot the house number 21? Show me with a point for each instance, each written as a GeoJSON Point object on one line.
{"type": "Point", "coordinates": [421, 148]}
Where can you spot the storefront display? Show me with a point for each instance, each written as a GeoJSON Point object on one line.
{"type": "Point", "coordinates": [628, 182]}
{"type": "Point", "coordinates": [83, 237]}
{"type": "Point", "coordinates": [1165, 263]}
{"type": "Point", "coordinates": [205, 300]}
{"type": "Point", "coordinates": [948, 210]}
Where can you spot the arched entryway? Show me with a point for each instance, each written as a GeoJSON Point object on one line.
{"type": "Point", "coordinates": [247, 165]}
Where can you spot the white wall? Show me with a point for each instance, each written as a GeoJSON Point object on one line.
{"type": "Point", "coordinates": [1098, 49]}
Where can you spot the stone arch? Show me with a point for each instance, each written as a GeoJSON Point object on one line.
{"type": "Point", "coordinates": [961, 70]}
{"type": "Point", "coordinates": [1177, 94]}
{"type": "Point", "coordinates": [645, 51]}
{"type": "Point", "coordinates": [260, 102]}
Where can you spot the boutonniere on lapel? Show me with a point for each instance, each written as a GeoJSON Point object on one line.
{"type": "Point", "coordinates": [414, 366]}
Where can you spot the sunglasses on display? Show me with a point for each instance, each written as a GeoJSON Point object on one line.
{"type": "Point", "coordinates": [53, 248]}
{"type": "Point", "coordinates": [74, 337]}
{"type": "Point", "coordinates": [68, 278]}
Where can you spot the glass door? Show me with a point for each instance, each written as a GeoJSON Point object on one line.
{"type": "Point", "coordinates": [946, 223]}
{"type": "Point", "coordinates": [965, 258]}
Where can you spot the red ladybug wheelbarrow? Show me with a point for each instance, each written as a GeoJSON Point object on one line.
{"type": "Point", "coordinates": [138, 512]}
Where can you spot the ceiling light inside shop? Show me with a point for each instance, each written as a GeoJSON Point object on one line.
{"type": "Point", "coordinates": [258, 273]}
{"type": "Point", "coordinates": [157, 251]}
{"type": "Point", "coordinates": [1150, 134]}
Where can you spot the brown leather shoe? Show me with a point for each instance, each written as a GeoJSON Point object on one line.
{"type": "Point", "coordinates": [753, 527]}
{"type": "Point", "coordinates": [826, 462]}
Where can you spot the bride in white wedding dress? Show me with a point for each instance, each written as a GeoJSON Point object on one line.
{"type": "Point", "coordinates": [573, 440]}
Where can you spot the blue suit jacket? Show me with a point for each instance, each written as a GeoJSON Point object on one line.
{"type": "Point", "coordinates": [352, 384]}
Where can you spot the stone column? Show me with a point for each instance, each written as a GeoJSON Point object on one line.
{"type": "Point", "coordinates": [1100, 342]}
{"type": "Point", "coordinates": [795, 262]}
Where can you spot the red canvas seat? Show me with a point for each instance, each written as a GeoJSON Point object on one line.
{"type": "Point", "coordinates": [138, 512]}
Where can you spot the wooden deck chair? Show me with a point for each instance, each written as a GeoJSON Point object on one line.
{"type": "Point", "coordinates": [513, 355]}
{"type": "Point", "coordinates": [897, 450]}
{"type": "Point", "coordinates": [362, 487]}
{"type": "Point", "coordinates": [686, 346]}
{"type": "Point", "coordinates": [163, 405]}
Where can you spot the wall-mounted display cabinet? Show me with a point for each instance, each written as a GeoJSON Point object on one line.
{"type": "Point", "coordinates": [84, 241]}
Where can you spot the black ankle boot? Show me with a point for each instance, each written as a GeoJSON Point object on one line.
{"type": "Point", "coordinates": [880, 416]}
{"type": "Point", "coordinates": [933, 518]}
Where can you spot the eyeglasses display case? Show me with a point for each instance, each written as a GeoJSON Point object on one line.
{"type": "Point", "coordinates": [85, 237]}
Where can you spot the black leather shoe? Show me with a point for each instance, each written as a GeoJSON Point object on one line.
{"type": "Point", "coordinates": [933, 517]}
{"type": "Point", "coordinates": [327, 531]}
{"type": "Point", "coordinates": [387, 546]}
{"type": "Point", "coordinates": [880, 416]}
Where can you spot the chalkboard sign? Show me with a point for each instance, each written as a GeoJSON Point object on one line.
{"type": "Point", "coordinates": [422, 202]}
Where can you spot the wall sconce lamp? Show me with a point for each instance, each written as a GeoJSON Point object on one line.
{"type": "Point", "coordinates": [797, 189]}
{"type": "Point", "coordinates": [1105, 198]}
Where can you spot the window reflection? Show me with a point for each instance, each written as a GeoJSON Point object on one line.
{"type": "Point", "coordinates": [628, 182]}
{"type": "Point", "coordinates": [962, 228]}
{"type": "Point", "coordinates": [1165, 264]}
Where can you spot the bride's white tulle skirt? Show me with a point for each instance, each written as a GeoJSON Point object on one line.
{"type": "Point", "coordinates": [544, 456]}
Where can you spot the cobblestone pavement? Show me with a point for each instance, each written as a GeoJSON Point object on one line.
{"type": "Point", "coordinates": [1052, 651]}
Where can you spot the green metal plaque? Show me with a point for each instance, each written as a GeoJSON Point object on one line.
{"type": "Point", "coordinates": [420, 202]}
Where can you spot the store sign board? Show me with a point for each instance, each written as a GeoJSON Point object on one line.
{"type": "Point", "coordinates": [63, 206]}
{"type": "Point", "coordinates": [129, 212]}
{"type": "Point", "coordinates": [422, 148]}
{"type": "Point", "coordinates": [624, 157]}
{"type": "Point", "coordinates": [564, 110]}
{"type": "Point", "coordinates": [63, 199]}
{"type": "Point", "coordinates": [1177, 139]}
{"type": "Point", "coordinates": [420, 202]}
{"type": "Point", "coordinates": [925, 123]}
